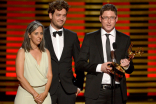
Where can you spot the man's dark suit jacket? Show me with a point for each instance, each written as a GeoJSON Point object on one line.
{"type": "Point", "coordinates": [92, 51]}
{"type": "Point", "coordinates": [62, 70]}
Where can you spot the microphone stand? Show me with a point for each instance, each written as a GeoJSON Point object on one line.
{"type": "Point", "coordinates": [114, 85]}
{"type": "Point", "coordinates": [113, 78]}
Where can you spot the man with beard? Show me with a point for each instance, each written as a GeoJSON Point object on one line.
{"type": "Point", "coordinates": [63, 45]}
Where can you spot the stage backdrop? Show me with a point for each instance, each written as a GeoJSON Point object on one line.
{"type": "Point", "coordinates": [137, 18]}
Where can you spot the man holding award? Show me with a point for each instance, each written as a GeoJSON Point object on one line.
{"type": "Point", "coordinates": [95, 59]}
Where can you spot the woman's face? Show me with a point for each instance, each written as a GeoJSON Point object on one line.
{"type": "Point", "coordinates": [36, 36]}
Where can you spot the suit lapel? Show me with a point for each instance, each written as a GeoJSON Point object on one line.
{"type": "Point", "coordinates": [99, 44]}
{"type": "Point", "coordinates": [118, 39]}
{"type": "Point", "coordinates": [119, 44]}
{"type": "Point", "coordinates": [50, 44]}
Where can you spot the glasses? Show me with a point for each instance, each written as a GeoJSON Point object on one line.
{"type": "Point", "coordinates": [112, 18]}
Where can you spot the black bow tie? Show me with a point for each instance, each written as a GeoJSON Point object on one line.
{"type": "Point", "coordinates": [57, 32]}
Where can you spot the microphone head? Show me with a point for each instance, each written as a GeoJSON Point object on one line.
{"type": "Point", "coordinates": [114, 46]}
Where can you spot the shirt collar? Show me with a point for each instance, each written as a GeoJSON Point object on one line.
{"type": "Point", "coordinates": [53, 30]}
{"type": "Point", "coordinates": [113, 32]}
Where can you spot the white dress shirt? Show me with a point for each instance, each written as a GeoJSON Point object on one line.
{"type": "Point", "coordinates": [58, 42]}
{"type": "Point", "coordinates": [106, 79]}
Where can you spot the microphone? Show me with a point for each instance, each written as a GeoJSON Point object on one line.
{"type": "Point", "coordinates": [113, 52]}
{"type": "Point", "coordinates": [114, 46]}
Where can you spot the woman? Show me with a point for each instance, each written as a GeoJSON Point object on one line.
{"type": "Point", "coordinates": [33, 68]}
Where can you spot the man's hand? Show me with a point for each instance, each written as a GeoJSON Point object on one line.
{"type": "Point", "coordinates": [105, 67]}
{"type": "Point", "coordinates": [78, 91]}
{"type": "Point", "coordinates": [124, 63]}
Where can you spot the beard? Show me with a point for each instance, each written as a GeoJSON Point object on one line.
{"type": "Point", "coordinates": [57, 25]}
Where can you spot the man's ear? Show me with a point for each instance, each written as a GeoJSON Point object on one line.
{"type": "Point", "coordinates": [116, 18]}
{"type": "Point", "coordinates": [100, 18]}
{"type": "Point", "coordinates": [50, 15]}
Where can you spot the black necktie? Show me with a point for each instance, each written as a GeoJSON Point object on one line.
{"type": "Point", "coordinates": [57, 32]}
{"type": "Point", "coordinates": [108, 48]}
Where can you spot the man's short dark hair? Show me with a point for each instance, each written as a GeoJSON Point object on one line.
{"type": "Point", "coordinates": [108, 7]}
{"type": "Point", "coordinates": [58, 5]}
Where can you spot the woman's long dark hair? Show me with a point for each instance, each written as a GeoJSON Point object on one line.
{"type": "Point", "coordinates": [30, 28]}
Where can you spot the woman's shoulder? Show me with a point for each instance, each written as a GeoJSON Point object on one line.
{"type": "Point", "coordinates": [21, 53]}
{"type": "Point", "coordinates": [47, 51]}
